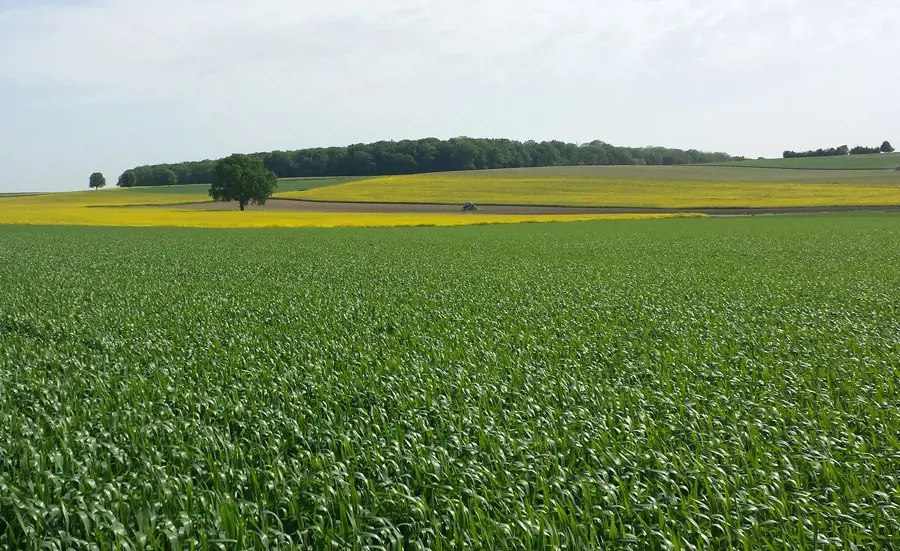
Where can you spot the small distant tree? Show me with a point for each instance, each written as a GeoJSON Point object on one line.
{"type": "Point", "coordinates": [244, 179]}
{"type": "Point", "coordinates": [97, 181]}
{"type": "Point", "coordinates": [127, 179]}
{"type": "Point", "coordinates": [886, 147]}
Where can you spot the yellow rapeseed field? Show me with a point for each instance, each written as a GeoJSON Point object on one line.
{"type": "Point", "coordinates": [109, 208]}
{"type": "Point", "coordinates": [608, 192]}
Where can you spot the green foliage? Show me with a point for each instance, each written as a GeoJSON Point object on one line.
{"type": "Point", "coordinates": [839, 151]}
{"type": "Point", "coordinates": [127, 179]}
{"type": "Point", "coordinates": [168, 177]}
{"type": "Point", "coordinates": [243, 179]}
{"type": "Point", "coordinates": [677, 384]}
{"type": "Point", "coordinates": [433, 155]}
{"type": "Point", "coordinates": [830, 152]}
{"type": "Point", "coordinates": [97, 181]}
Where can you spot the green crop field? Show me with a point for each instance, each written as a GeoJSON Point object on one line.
{"type": "Point", "coordinates": [843, 162]}
{"type": "Point", "coordinates": [19, 194]}
{"type": "Point", "coordinates": [719, 383]}
{"type": "Point", "coordinates": [286, 184]}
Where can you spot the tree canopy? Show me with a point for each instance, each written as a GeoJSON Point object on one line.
{"type": "Point", "coordinates": [886, 147]}
{"type": "Point", "coordinates": [838, 151]}
{"type": "Point", "coordinates": [830, 152]}
{"type": "Point", "coordinates": [863, 150]}
{"type": "Point", "coordinates": [97, 181]}
{"type": "Point", "coordinates": [127, 179]}
{"type": "Point", "coordinates": [430, 155]}
{"type": "Point", "coordinates": [244, 179]}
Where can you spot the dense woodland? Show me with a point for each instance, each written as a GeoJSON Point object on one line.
{"type": "Point", "coordinates": [427, 155]}
{"type": "Point", "coordinates": [885, 147]}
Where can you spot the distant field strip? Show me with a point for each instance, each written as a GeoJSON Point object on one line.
{"type": "Point", "coordinates": [686, 173]}
{"type": "Point", "coordinates": [286, 184]}
{"type": "Point", "coordinates": [110, 208]}
{"type": "Point", "coordinates": [686, 189]}
{"type": "Point", "coordinates": [583, 190]}
{"type": "Point", "coordinates": [842, 162]}
{"type": "Point", "coordinates": [106, 198]}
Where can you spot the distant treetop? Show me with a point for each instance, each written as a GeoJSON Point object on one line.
{"type": "Point", "coordinates": [96, 181]}
{"type": "Point", "coordinates": [430, 155]}
{"type": "Point", "coordinates": [842, 150]}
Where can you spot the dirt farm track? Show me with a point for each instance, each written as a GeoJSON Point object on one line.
{"type": "Point", "coordinates": [406, 208]}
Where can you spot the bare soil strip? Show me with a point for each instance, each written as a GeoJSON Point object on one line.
{"type": "Point", "coordinates": [410, 208]}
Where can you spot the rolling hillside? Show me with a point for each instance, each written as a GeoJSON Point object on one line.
{"type": "Point", "coordinates": [626, 186]}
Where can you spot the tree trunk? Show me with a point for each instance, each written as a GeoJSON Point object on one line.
{"type": "Point", "coordinates": [241, 203]}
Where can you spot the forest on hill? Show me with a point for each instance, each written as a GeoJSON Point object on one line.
{"type": "Point", "coordinates": [426, 155]}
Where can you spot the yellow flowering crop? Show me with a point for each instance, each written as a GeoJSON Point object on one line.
{"type": "Point", "coordinates": [91, 208]}
{"type": "Point", "coordinates": [608, 192]}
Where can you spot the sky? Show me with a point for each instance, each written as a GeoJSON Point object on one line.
{"type": "Point", "coordinates": [106, 85]}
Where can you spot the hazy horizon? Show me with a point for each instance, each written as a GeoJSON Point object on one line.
{"type": "Point", "coordinates": [103, 85]}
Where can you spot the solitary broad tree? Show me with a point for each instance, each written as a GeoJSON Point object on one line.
{"type": "Point", "coordinates": [97, 181]}
{"type": "Point", "coordinates": [127, 179]}
{"type": "Point", "coordinates": [886, 147]}
{"type": "Point", "coordinates": [243, 179]}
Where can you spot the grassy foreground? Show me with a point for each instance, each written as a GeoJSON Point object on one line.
{"type": "Point", "coordinates": [665, 384]}
{"type": "Point", "coordinates": [650, 186]}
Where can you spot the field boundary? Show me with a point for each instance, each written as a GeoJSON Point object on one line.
{"type": "Point", "coordinates": [796, 168]}
{"type": "Point", "coordinates": [299, 205]}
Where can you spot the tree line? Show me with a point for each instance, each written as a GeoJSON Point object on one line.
{"type": "Point", "coordinates": [886, 147]}
{"type": "Point", "coordinates": [421, 156]}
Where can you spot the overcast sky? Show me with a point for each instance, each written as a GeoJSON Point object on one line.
{"type": "Point", "coordinates": [104, 85]}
